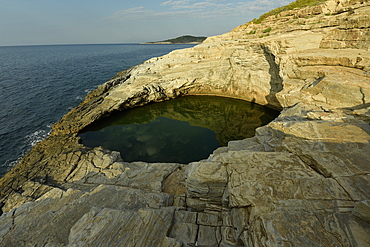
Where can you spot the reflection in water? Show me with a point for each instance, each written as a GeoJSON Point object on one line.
{"type": "Point", "coordinates": [180, 130]}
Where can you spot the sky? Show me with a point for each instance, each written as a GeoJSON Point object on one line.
{"type": "Point", "coordinates": [41, 22]}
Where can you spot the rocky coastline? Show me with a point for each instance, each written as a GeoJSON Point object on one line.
{"type": "Point", "coordinates": [302, 180]}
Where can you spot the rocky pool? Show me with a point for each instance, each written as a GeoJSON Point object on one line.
{"type": "Point", "coordinates": [181, 130]}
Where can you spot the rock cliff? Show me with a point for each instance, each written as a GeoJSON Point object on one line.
{"type": "Point", "coordinates": [302, 180]}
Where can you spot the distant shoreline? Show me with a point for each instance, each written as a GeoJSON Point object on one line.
{"type": "Point", "coordinates": [183, 40]}
{"type": "Point", "coordinates": [169, 43]}
{"type": "Point", "coordinates": [147, 43]}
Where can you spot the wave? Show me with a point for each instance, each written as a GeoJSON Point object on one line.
{"type": "Point", "coordinates": [86, 92]}
{"type": "Point", "coordinates": [89, 90]}
{"type": "Point", "coordinates": [37, 136]}
{"type": "Point", "coordinates": [9, 164]}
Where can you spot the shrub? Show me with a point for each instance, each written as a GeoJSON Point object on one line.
{"type": "Point", "coordinates": [297, 4]}
{"type": "Point", "coordinates": [266, 35]}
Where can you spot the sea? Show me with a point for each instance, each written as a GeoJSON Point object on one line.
{"type": "Point", "coordinates": [40, 84]}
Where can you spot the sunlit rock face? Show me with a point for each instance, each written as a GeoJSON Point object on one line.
{"type": "Point", "coordinates": [302, 180]}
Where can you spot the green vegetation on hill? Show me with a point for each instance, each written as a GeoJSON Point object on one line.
{"type": "Point", "coordinates": [183, 40]}
{"type": "Point", "coordinates": [296, 4]}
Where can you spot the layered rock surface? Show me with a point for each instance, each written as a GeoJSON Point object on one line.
{"type": "Point", "coordinates": [302, 180]}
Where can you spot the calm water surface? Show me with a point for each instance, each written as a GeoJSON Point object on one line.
{"type": "Point", "coordinates": [39, 84]}
{"type": "Point", "coordinates": [181, 130]}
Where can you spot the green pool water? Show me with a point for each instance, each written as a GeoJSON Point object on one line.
{"type": "Point", "coordinates": [180, 130]}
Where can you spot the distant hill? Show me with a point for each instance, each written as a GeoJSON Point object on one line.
{"type": "Point", "coordinates": [186, 39]}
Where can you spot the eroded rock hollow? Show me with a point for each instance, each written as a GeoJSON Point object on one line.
{"type": "Point", "coordinates": [302, 180]}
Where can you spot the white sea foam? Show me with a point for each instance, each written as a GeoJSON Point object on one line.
{"type": "Point", "coordinates": [9, 164]}
{"type": "Point", "coordinates": [30, 141]}
{"type": "Point", "coordinates": [89, 90]}
{"type": "Point", "coordinates": [37, 136]}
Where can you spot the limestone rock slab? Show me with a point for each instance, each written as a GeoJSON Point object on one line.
{"type": "Point", "coordinates": [302, 180]}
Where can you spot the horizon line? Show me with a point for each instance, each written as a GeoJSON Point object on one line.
{"type": "Point", "coordinates": [131, 43]}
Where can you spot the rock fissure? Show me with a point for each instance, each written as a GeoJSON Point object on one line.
{"type": "Point", "coordinates": [314, 167]}
{"type": "Point", "coordinates": [13, 218]}
{"type": "Point", "coordinates": [363, 96]}
{"type": "Point", "coordinates": [314, 83]}
{"type": "Point", "coordinates": [324, 229]}
{"type": "Point", "coordinates": [344, 189]}
{"type": "Point", "coordinates": [73, 169]}
{"type": "Point", "coordinates": [197, 230]}
{"type": "Point", "coordinates": [231, 70]}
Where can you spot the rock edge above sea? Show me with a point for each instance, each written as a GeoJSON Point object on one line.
{"type": "Point", "coordinates": [302, 180]}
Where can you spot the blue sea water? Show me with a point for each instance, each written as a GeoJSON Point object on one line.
{"type": "Point", "coordinates": [39, 84]}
